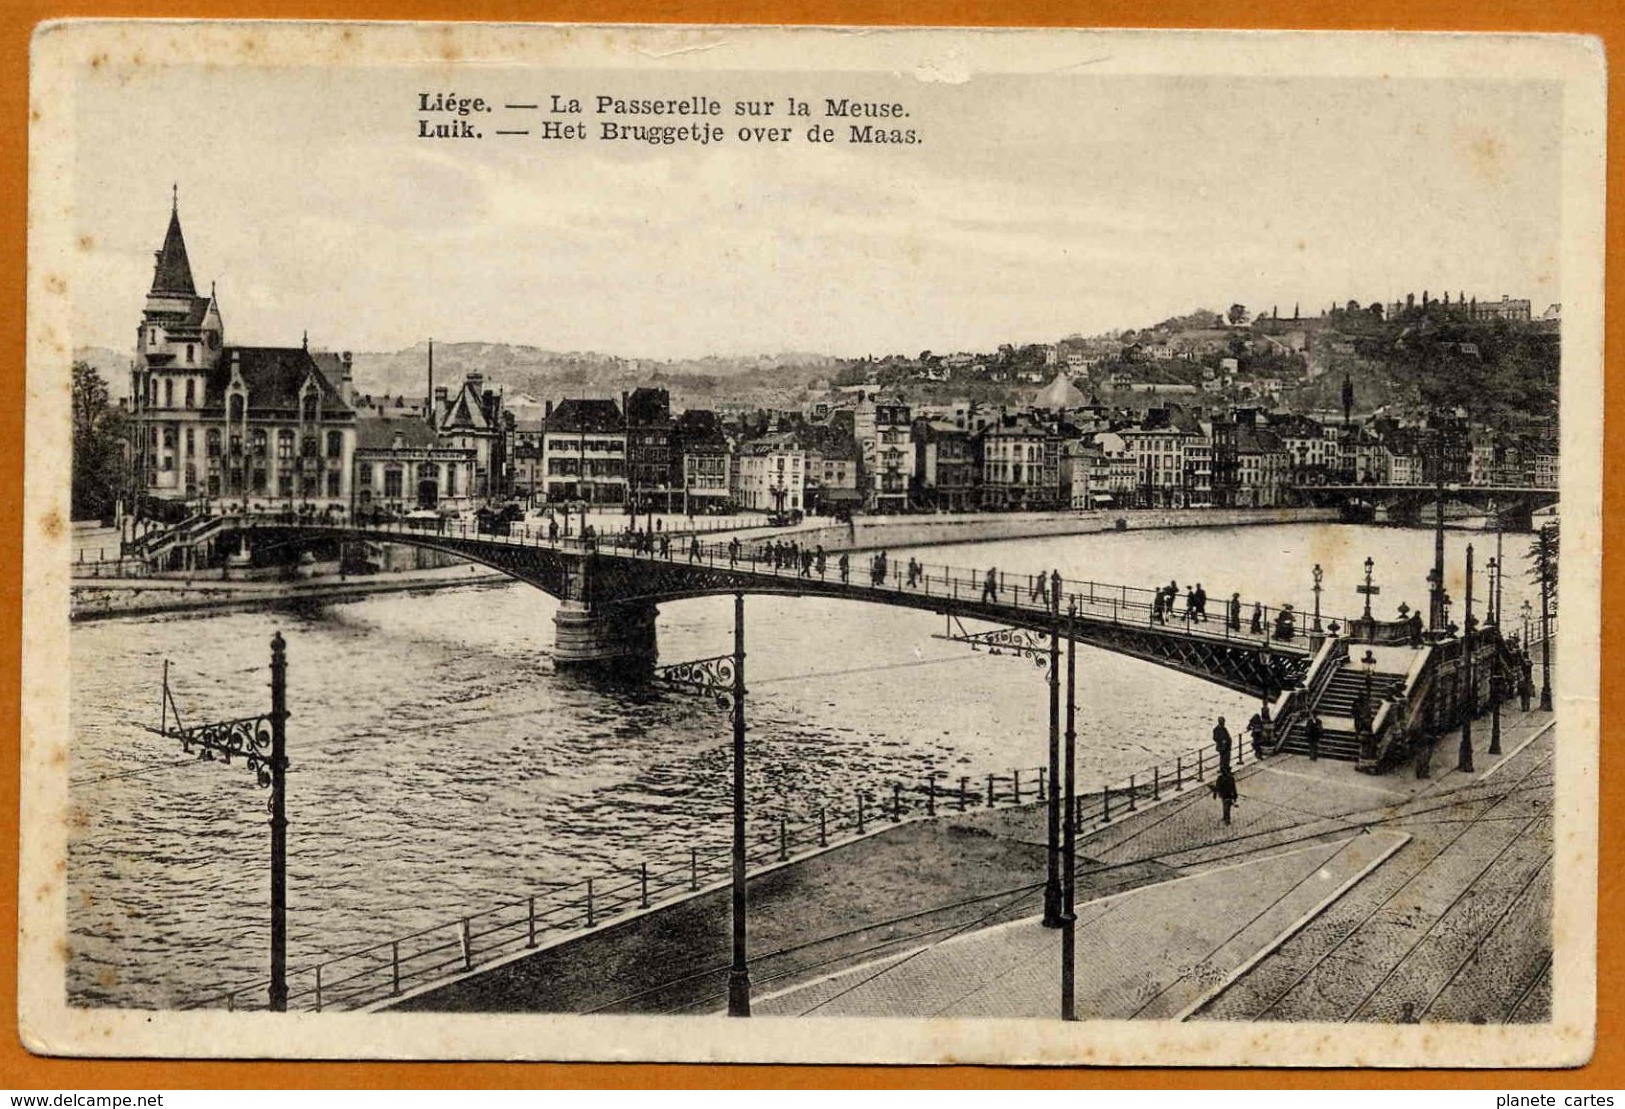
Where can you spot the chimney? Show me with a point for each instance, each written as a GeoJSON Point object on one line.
{"type": "Point", "coordinates": [547, 410]}
{"type": "Point", "coordinates": [429, 397]}
{"type": "Point", "coordinates": [347, 379]}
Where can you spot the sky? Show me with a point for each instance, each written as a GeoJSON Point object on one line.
{"type": "Point", "coordinates": [1036, 206]}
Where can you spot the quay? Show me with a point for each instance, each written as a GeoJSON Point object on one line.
{"type": "Point", "coordinates": [1333, 896]}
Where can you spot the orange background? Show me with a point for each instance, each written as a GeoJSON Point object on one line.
{"type": "Point", "coordinates": [19, 1070]}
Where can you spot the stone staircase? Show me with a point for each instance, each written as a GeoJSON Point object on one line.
{"type": "Point", "coordinates": [1336, 708]}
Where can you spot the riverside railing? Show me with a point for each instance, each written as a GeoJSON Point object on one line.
{"type": "Point", "coordinates": [389, 969]}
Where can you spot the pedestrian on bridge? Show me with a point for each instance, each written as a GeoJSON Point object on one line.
{"type": "Point", "coordinates": [1201, 602]}
{"type": "Point", "coordinates": [1235, 612]}
{"type": "Point", "coordinates": [1055, 590]}
{"type": "Point", "coordinates": [846, 569]}
{"type": "Point", "coordinates": [806, 562]}
{"type": "Point", "coordinates": [990, 586]}
{"type": "Point", "coordinates": [1224, 788]}
{"type": "Point", "coordinates": [665, 546]}
{"type": "Point", "coordinates": [1222, 744]}
{"type": "Point", "coordinates": [694, 549]}
{"type": "Point", "coordinates": [913, 572]}
{"type": "Point", "coordinates": [1190, 604]}
{"type": "Point", "coordinates": [733, 552]}
{"type": "Point", "coordinates": [1258, 618]}
{"type": "Point", "coordinates": [818, 559]}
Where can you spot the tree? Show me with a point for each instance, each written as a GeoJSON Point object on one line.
{"type": "Point", "coordinates": [99, 431]}
{"type": "Point", "coordinates": [1543, 561]}
{"type": "Point", "coordinates": [1238, 314]}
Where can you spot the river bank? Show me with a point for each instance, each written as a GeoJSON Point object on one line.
{"type": "Point", "coordinates": [95, 597]}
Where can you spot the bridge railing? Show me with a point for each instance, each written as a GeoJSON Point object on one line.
{"type": "Point", "coordinates": [1233, 619]}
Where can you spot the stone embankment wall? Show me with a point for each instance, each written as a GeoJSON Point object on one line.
{"type": "Point", "coordinates": [874, 532]}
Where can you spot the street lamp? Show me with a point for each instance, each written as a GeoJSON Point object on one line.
{"type": "Point", "coordinates": [1495, 665]}
{"type": "Point", "coordinates": [1464, 757]}
{"type": "Point", "coordinates": [1319, 573]}
{"type": "Point", "coordinates": [1527, 609]}
{"type": "Point", "coordinates": [1368, 664]}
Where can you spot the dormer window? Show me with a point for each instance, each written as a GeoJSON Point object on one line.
{"type": "Point", "coordinates": [310, 406]}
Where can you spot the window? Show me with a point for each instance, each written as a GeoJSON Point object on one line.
{"type": "Point", "coordinates": [190, 357]}
{"type": "Point", "coordinates": [429, 471]}
{"type": "Point", "coordinates": [307, 446]}
{"type": "Point", "coordinates": [237, 408]}
{"type": "Point", "coordinates": [191, 390]}
{"type": "Point", "coordinates": [284, 444]}
{"type": "Point", "coordinates": [214, 485]}
{"type": "Point", "coordinates": [169, 393]}
{"type": "Point", "coordinates": [211, 442]}
{"type": "Point", "coordinates": [335, 444]}
{"type": "Point", "coordinates": [363, 475]}
{"type": "Point", "coordinates": [259, 478]}
{"type": "Point", "coordinates": [191, 479]}
{"type": "Point", "coordinates": [451, 480]}
{"type": "Point", "coordinates": [310, 406]}
{"type": "Point", "coordinates": [308, 485]}
{"type": "Point", "coordinates": [191, 442]}
{"type": "Point", "coordinates": [332, 483]}
{"type": "Point", "coordinates": [256, 442]}
{"type": "Point", "coordinates": [392, 481]}
{"type": "Point", "coordinates": [169, 438]}
{"type": "Point", "coordinates": [284, 485]}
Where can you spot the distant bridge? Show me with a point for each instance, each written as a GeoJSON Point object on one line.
{"type": "Point", "coordinates": [608, 593]}
{"type": "Point", "coordinates": [1512, 506]}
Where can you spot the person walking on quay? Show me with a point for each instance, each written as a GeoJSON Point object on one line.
{"type": "Point", "coordinates": [1255, 732]}
{"type": "Point", "coordinates": [1313, 731]}
{"type": "Point", "coordinates": [845, 566]}
{"type": "Point", "coordinates": [552, 529]}
{"type": "Point", "coordinates": [1235, 612]}
{"type": "Point", "coordinates": [1221, 744]}
{"type": "Point", "coordinates": [1258, 618]}
{"type": "Point", "coordinates": [818, 559]}
{"type": "Point", "coordinates": [1224, 788]}
{"type": "Point", "coordinates": [990, 586]}
{"type": "Point", "coordinates": [1526, 690]}
{"type": "Point", "coordinates": [806, 562]}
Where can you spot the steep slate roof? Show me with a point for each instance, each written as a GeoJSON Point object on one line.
{"type": "Point", "coordinates": [274, 376]}
{"type": "Point", "coordinates": [378, 433]}
{"type": "Point", "coordinates": [173, 273]}
{"type": "Point", "coordinates": [464, 412]}
{"type": "Point", "coordinates": [586, 415]}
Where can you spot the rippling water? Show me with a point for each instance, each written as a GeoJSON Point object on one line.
{"type": "Point", "coordinates": [440, 765]}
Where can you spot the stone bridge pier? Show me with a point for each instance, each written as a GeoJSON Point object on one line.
{"type": "Point", "coordinates": [614, 637]}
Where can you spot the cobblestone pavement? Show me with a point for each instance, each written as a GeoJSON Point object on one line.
{"type": "Point", "coordinates": [1333, 896]}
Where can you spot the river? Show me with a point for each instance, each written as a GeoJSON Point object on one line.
{"type": "Point", "coordinates": [439, 765]}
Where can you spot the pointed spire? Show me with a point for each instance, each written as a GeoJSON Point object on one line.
{"type": "Point", "coordinates": [305, 342]}
{"type": "Point", "coordinates": [173, 272]}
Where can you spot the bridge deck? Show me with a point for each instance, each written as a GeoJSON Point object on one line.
{"type": "Point", "coordinates": [711, 568]}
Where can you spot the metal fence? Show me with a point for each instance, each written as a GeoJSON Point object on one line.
{"type": "Point", "coordinates": [389, 969]}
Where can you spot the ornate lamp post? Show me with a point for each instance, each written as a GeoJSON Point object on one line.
{"type": "Point", "coordinates": [1368, 665]}
{"type": "Point", "coordinates": [1319, 574]}
{"type": "Point", "coordinates": [1527, 609]}
{"type": "Point", "coordinates": [1069, 917]}
{"type": "Point", "coordinates": [1545, 539]}
{"type": "Point", "coordinates": [261, 742]}
{"type": "Point", "coordinates": [1495, 665]}
{"type": "Point", "coordinates": [1464, 757]}
{"type": "Point", "coordinates": [724, 678]}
